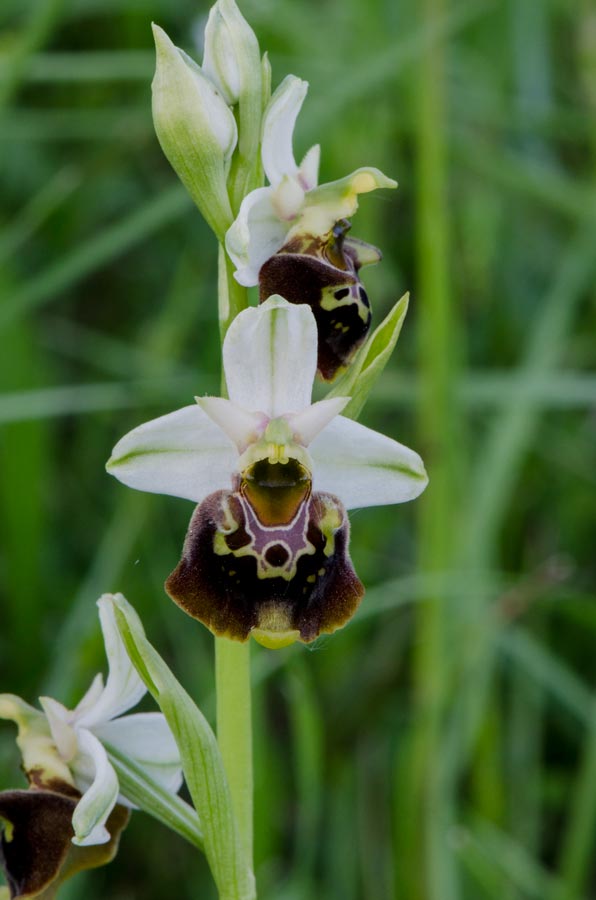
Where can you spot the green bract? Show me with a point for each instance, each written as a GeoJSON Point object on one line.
{"type": "Point", "coordinates": [370, 361]}
{"type": "Point", "coordinates": [201, 759]}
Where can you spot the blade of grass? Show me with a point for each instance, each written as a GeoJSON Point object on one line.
{"type": "Point", "coordinates": [425, 808]}
{"type": "Point", "coordinates": [93, 65]}
{"type": "Point", "coordinates": [43, 17]}
{"type": "Point", "coordinates": [42, 205]}
{"type": "Point", "coordinates": [97, 252]}
{"type": "Point", "coordinates": [577, 847]}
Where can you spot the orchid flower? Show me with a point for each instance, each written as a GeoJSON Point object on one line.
{"type": "Point", "coordinates": [291, 236]}
{"type": "Point", "coordinates": [63, 750]}
{"type": "Point", "coordinates": [266, 552]}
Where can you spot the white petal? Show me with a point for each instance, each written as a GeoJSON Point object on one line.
{"type": "Point", "coordinates": [240, 425]}
{"type": "Point", "coordinates": [288, 198]}
{"type": "Point", "coordinates": [91, 696]}
{"type": "Point", "coordinates": [363, 467]}
{"type": "Point", "coordinates": [255, 235]}
{"type": "Point", "coordinates": [308, 423]}
{"type": "Point", "coordinates": [308, 173]}
{"type": "Point", "coordinates": [98, 801]}
{"type": "Point", "coordinates": [270, 357]}
{"type": "Point", "coordinates": [278, 128]}
{"type": "Point", "coordinates": [146, 738]}
{"type": "Point", "coordinates": [124, 687]}
{"type": "Point", "coordinates": [183, 454]}
{"type": "Point", "coordinates": [59, 720]}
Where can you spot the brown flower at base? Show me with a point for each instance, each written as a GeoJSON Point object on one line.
{"type": "Point", "coordinates": [36, 850]}
{"type": "Point", "coordinates": [323, 273]}
{"type": "Point", "coordinates": [278, 582]}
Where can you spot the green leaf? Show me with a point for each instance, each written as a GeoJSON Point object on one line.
{"type": "Point", "coordinates": [154, 799]}
{"type": "Point", "coordinates": [201, 759]}
{"type": "Point", "coordinates": [370, 361]}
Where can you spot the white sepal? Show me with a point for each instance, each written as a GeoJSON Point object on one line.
{"type": "Point", "coordinates": [270, 357]}
{"type": "Point", "coordinates": [363, 467]}
{"type": "Point", "coordinates": [123, 688]}
{"type": "Point", "coordinates": [183, 454]}
{"type": "Point", "coordinates": [146, 738]}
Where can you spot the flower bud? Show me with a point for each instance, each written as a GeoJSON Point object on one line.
{"type": "Point", "coordinates": [231, 58]}
{"type": "Point", "coordinates": [232, 61]}
{"type": "Point", "coordinates": [196, 129]}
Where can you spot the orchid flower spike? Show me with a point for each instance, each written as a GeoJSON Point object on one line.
{"type": "Point", "coordinates": [74, 796]}
{"type": "Point", "coordinates": [291, 239]}
{"type": "Point", "coordinates": [266, 552]}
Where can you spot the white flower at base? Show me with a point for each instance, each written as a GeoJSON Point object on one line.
{"type": "Point", "coordinates": [64, 748]}
{"type": "Point", "coordinates": [273, 474]}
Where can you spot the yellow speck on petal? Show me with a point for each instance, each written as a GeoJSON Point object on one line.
{"type": "Point", "coordinates": [311, 579]}
{"type": "Point", "coordinates": [363, 183]}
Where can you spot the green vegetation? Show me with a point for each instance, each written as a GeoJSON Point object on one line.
{"type": "Point", "coordinates": [442, 746]}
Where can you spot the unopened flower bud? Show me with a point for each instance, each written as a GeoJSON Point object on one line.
{"type": "Point", "coordinates": [232, 61]}
{"type": "Point", "coordinates": [196, 129]}
{"type": "Point", "coordinates": [231, 58]}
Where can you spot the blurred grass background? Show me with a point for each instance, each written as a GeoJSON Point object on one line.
{"type": "Point", "coordinates": [443, 746]}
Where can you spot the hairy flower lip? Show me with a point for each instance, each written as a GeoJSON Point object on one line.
{"type": "Point", "coordinates": [228, 580]}
{"type": "Point", "coordinates": [36, 848]}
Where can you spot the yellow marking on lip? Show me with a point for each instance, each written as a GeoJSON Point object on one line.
{"type": "Point", "coordinates": [275, 640]}
{"type": "Point", "coordinates": [273, 630]}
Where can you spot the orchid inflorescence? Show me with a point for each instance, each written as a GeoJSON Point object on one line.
{"type": "Point", "coordinates": [272, 473]}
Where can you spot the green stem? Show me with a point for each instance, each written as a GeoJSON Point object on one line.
{"type": "Point", "coordinates": [234, 730]}
{"type": "Point", "coordinates": [232, 297]}
{"type": "Point", "coordinates": [232, 659]}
